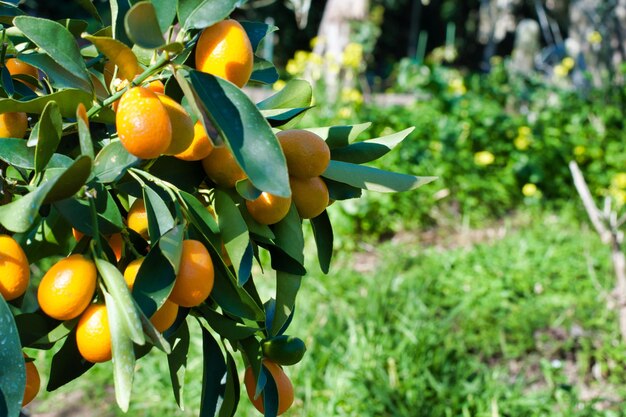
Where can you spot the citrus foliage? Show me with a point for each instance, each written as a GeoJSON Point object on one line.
{"type": "Point", "coordinates": [140, 160]}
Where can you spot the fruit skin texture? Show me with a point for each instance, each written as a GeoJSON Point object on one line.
{"type": "Point", "coordinates": [13, 125]}
{"type": "Point", "coordinates": [33, 382]}
{"type": "Point", "coordinates": [222, 168]}
{"type": "Point", "coordinates": [268, 208]}
{"type": "Point", "coordinates": [284, 350]}
{"type": "Point", "coordinates": [130, 273]}
{"type": "Point", "coordinates": [182, 125]}
{"type": "Point", "coordinates": [194, 281]}
{"type": "Point", "coordinates": [165, 316]}
{"type": "Point", "coordinates": [225, 50]}
{"type": "Point", "coordinates": [283, 386]}
{"type": "Point", "coordinates": [200, 147]}
{"type": "Point", "coordinates": [307, 154]}
{"type": "Point", "coordinates": [67, 288]}
{"type": "Point", "coordinates": [143, 123]}
{"type": "Point", "coordinates": [93, 336]}
{"type": "Point", "coordinates": [14, 269]}
{"type": "Point", "coordinates": [138, 218]}
{"type": "Point", "coordinates": [309, 195]}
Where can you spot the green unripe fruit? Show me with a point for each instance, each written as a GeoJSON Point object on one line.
{"type": "Point", "coordinates": [284, 350]}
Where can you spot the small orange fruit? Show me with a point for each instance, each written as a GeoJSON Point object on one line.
{"type": "Point", "coordinates": [130, 273]}
{"type": "Point", "coordinates": [182, 125]}
{"type": "Point", "coordinates": [138, 218]}
{"type": "Point", "coordinates": [33, 382]}
{"type": "Point", "coordinates": [194, 281]}
{"type": "Point", "coordinates": [283, 387]}
{"type": "Point", "coordinates": [164, 316]}
{"type": "Point", "coordinates": [14, 269]}
{"type": "Point", "coordinates": [309, 195]}
{"type": "Point", "coordinates": [306, 153]}
{"type": "Point", "coordinates": [13, 125]}
{"type": "Point", "coordinates": [200, 147]}
{"type": "Point", "coordinates": [268, 208]}
{"type": "Point", "coordinates": [225, 50]}
{"type": "Point", "coordinates": [67, 288]}
{"type": "Point", "coordinates": [93, 336]}
{"type": "Point", "coordinates": [157, 86]}
{"type": "Point", "coordinates": [17, 67]}
{"type": "Point", "coordinates": [222, 168]}
{"type": "Point", "coordinates": [116, 242]}
{"type": "Point", "coordinates": [143, 123]}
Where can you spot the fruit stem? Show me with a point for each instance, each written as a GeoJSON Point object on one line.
{"type": "Point", "coordinates": [164, 59]}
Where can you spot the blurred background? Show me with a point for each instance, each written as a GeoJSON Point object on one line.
{"type": "Point", "coordinates": [487, 292]}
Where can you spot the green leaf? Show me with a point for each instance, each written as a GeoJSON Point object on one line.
{"type": "Point", "coordinates": [74, 26]}
{"type": "Point", "coordinates": [8, 12]}
{"type": "Point", "coordinates": [225, 326]}
{"type": "Point", "coordinates": [231, 297]}
{"type": "Point", "coordinates": [198, 214]}
{"type": "Point", "coordinates": [7, 81]}
{"type": "Point", "coordinates": [122, 300]}
{"type": "Point", "coordinates": [256, 31]}
{"type": "Point", "coordinates": [251, 349]}
{"type": "Point", "coordinates": [154, 281]}
{"type": "Point", "coordinates": [280, 117]}
{"type": "Point", "coordinates": [235, 235]}
{"type": "Point", "coordinates": [270, 395]}
{"type": "Point", "coordinates": [33, 326]}
{"type": "Point", "coordinates": [58, 75]}
{"type": "Point", "coordinates": [19, 215]}
{"type": "Point", "coordinates": [112, 162]}
{"type": "Point", "coordinates": [339, 136]}
{"type": "Point", "coordinates": [160, 218]}
{"type": "Point", "coordinates": [118, 53]}
{"type": "Point", "coordinates": [213, 370]}
{"type": "Point", "coordinates": [340, 191]}
{"type": "Point", "coordinates": [122, 350]}
{"type": "Point", "coordinates": [56, 41]}
{"type": "Point", "coordinates": [289, 235]}
{"type": "Point", "coordinates": [228, 408]}
{"type": "Point", "coordinates": [166, 12]}
{"type": "Point", "coordinates": [88, 5]}
{"type": "Point", "coordinates": [49, 135]}
{"type": "Point", "coordinates": [184, 175]}
{"type": "Point", "coordinates": [263, 71]}
{"type": "Point", "coordinates": [374, 179]}
{"type": "Point", "coordinates": [369, 150]}
{"type": "Point", "coordinates": [142, 26]}
{"type": "Point", "coordinates": [177, 362]}
{"type": "Point", "coordinates": [17, 153]}
{"type": "Point", "coordinates": [246, 131]}
{"type": "Point", "coordinates": [156, 338]}
{"type": "Point", "coordinates": [119, 8]}
{"type": "Point", "coordinates": [295, 94]}
{"type": "Point", "coordinates": [84, 135]}
{"type": "Point", "coordinates": [323, 233]}
{"type": "Point", "coordinates": [78, 213]}
{"type": "Point", "coordinates": [199, 14]}
{"type": "Point", "coordinates": [287, 286]}
{"type": "Point", "coordinates": [171, 244]}
{"type": "Point", "coordinates": [13, 374]}
{"type": "Point", "coordinates": [247, 190]}
{"type": "Point", "coordinates": [67, 364]}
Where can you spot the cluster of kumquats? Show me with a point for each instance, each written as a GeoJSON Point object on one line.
{"type": "Point", "coordinates": [150, 124]}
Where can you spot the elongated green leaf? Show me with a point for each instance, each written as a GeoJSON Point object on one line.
{"type": "Point", "coordinates": [256, 31]}
{"type": "Point", "coordinates": [184, 175]}
{"type": "Point", "coordinates": [214, 368]}
{"type": "Point", "coordinates": [225, 326]}
{"type": "Point", "coordinates": [154, 281]}
{"type": "Point", "coordinates": [323, 233]}
{"type": "Point", "coordinates": [12, 373]}
{"type": "Point", "coordinates": [88, 5]}
{"type": "Point", "coordinates": [56, 41]}
{"type": "Point", "coordinates": [289, 235]}
{"type": "Point", "coordinates": [339, 136]}
{"type": "Point", "coordinates": [59, 76]}
{"type": "Point", "coordinates": [369, 150]}
{"type": "Point", "coordinates": [112, 162]}
{"type": "Point", "coordinates": [177, 362]}
{"type": "Point", "coordinates": [119, 8]}
{"type": "Point", "coordinates": [199, 214]}
{"type": "Point", "coordinates": [160, 218]}
{"type": "Point", "coordinates": [228, 408]}
{"type": "Point", "coordinates": [251, 349]}
{"type": "Point", "coordinates": [263, 71]}
{"type": "Point", "coordinates": [84, 135]}
{"type": "Point", "coordinates": [340, 191]}
{"type": "Point", "coordinates": [17, 153]}
{"type": "Point", "coordinates": [156, 338]}
{"type": "Point", "coordinates": [122, 350]}
{"type": "Point", "coordinates": [247, 190]}
{"type": "Point", "coordinates": [67, 364]}
{"type": "Point", "coordinates": [235, 235]}
{"type": "Point", "coordinates": [19, 215]}
{"type": "Point", "coordinates": [246, 131]}
{"type": "Point", "coordinates": [33, 326]}
{"type": "Point", "coordinates": [123, 301]}
{"type": "Point", "coordinates": [142, 26]}
{"type": "Point", "coordinates": [49, 135]}
{"type": "Point", "coordinates": [374, 179]}
{"type": "Point", "coordinates": [171, 244]}
{"type": "Point", "coordinates": [78, 213]}
{"type": "Point", "coordinates": [199, 14]}
{"type": "Point", "coordinates": [270, 395]}
{"type": "Point", "coordinates": [74, 26]}
{"type": "Point", "coordinates": [231, 297]}
{"type": "Point", "coordinates": [7, 81]}
{"type": "Point", "coordinates": [166, 12]}
{"type": "Point", "coordinates": [118, 53]}
{"type": "Point", "coordinates": [281, 117]}
{"type": "Point", "coordinates": [8, 12]}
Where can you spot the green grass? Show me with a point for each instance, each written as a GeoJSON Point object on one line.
{"type": "Point", "coordinates": [516, 326]}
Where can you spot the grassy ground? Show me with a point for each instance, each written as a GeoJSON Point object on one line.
{"type": "Point", "coordinates": [516, 325]}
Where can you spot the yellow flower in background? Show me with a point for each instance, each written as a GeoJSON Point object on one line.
{"type": "Point", "coordinates": [292, 67]}
{"type": "Point", "coordinates": [560, 71]}
{"type": "Point", "coordinates": [524, 131]}
{"type": "Point", "coordinates": [529, 190]}
{"type": "Point", "coordinates": [524, 138]}
{"type": "Point", "coordinates": [345, 112]}
{"type": "Point", "coordinates": [457, 87]}
{"type": "Point", "coordinates": [314, 41]}
{"type": "Point", "coordinates": [619, 180]}
{"type": "Point", "coordinates": [619, 196]}
{"type": "Point", "coordinates": [351, 95]}
{"type": "Point", "coordinates": [484, 158]}
{"type": "Point", "coordinates": [353, 55]}
{"type": "Point", "coordinates": [594, 37]}
{"type": "Point", "coordinates": [279, 85]}
{"type": "Point", "coordinates": [579, 150]}
{"type": "Point", "coordinates": [568, 62]}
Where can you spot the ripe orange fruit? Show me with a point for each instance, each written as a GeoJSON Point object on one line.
{"type": "Point", "coordinates": [143, 123]}
{"type": "Point", "coordinates": [225, 50]}
{"type": "Point", "coordinates": [138, 218]}
{"type": "Point", "coordinates": [306, 153]}
{"type": "Point", "coordinates": [116, 242]}
{"type": "Point", "coordinates": [194, 281]}
{"type": "Point", "coordinates": [155, 86]}
{"type": "Point", "coordinates": [182, 125]}
{"type": "Point", "coordinates": [130, 273]}
{"type": "Point", "coordinates": [14, 269]}
{"type": "Point", "coordinates": [200, 146]}
{"type": "Point", "coordinates": [222, 168]}
{"type": "Point", "coordinates": [268, 208]}
{"type": "Point", "coordinates": [33, 382]}
{"type": "Point", "coordinates": [93, 336]}
{"type": "Point", "coordinates": [283, 387]}
{"type": "Point", "coordinates": [17, 67]}
{"type": "Point", "coordinates": [164, 316]}
{"type": "Point", "coordinates": [13, 125]}
{"type": "Point", "coordinates": [310, 196]}
{"type": "Point", "coordinates": [67, 288]}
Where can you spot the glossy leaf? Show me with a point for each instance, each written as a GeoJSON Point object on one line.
{"type": "Point", "coordinates": [119, 8]}
{"type": "Point", "coordinates": [171, 244]}
{"type": "Point", "coordinates": [15, 152]}
{"type": "Point", "coordinates": [323, 234]}
{"type": "Point", "coordinates": [225, 326]}
{"type": "Point", "coordinates": [160, 218]}
{"type": "Point", "coordinates": [154, 281]}
{"type": "Point", "coordinates": [122, 350]}
{"type": "Point", "coordinates": [156, 338]}
{"type": "Point", "coordinates": [177, 362]}
{"type": "Point", "coordinates": [270, 395]}
{"type": "Point", "coordinates": [213, 370]}
{"type": "Point", "coordinates": [67, 364]}
{"type": "Point", "coordinates": [58, 76]}
{"type": "Point", "coordinates": [88, 5]}
{"type": "Point", "coordinates": [166, 12]}
{"type": "Point", "coordinates": [49, 135]}
{"type": "Point", "coordinates": [112, 162]}
{"type": "Point", "coordinates": [123, 301]}
{"type": "Point", "coordinates": [119, 54]}
{"type": "Point", "coordinates": [232, 391]}
{"type": "Point", "coordinates": [19, 215]}
{"type": "Point", "coordinates": [199, 14]}
{"type": "Point", "coordinates": [199, 214]}
{"type": "Point", "coordinates": [263, 71]}
{"type": "Point", "coordinates": [374, 179]}
{"type": "Point", "coordinates": [12, 375]}
{"type": "Point", "coordinates": [338, 136]}
{"type": "Point", "coordinates": [247, 133]}
{"type": "Point", "coordinates": [235, 235]}
{"type": "Point", "coordinates": [232, 298]}
{"type": "Point", "coordinates": [33, 326]}
{"type": "Point", "coordinates": [247, 190]}
{"type": "Point", "coordinates": [340, 191]}
{"type": "Point", "coordinates": [251, 349]}
{"type": "Point", "coordinates": [84, 135]}
{"type": "Point", "coordinates": [282, 117]}
{"type": "Point", "coordinates": [369, 150]}
{"type": "Point", "coordinates": [256, 31]}
{"type": "Point", "coordinates": [142, 26]}
{"type": "Point", "coordinates": [56, 41]}
{"type": "Point", "coordinates": [287, 286]}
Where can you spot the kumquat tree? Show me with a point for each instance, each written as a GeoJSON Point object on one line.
{"type": "Point", "coordinates": [142, 187]}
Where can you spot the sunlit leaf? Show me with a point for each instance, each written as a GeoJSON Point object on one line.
{"type": "Point", "coordinates": [142, 26]}
{"type": "Point", "coordinates": [119, 54]}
